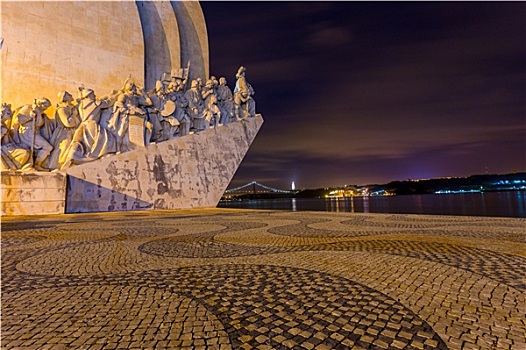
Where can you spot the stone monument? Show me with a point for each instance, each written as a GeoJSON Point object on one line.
{"type": "Point", "coordinates": [133, 126]}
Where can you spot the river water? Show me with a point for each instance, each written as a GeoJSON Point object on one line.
{"type": "Point", "coordinates": [503, 204]}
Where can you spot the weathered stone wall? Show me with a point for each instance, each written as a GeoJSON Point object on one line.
{"type": "Point", "coordinates": [54, 46]}
{"type": "Point", "coordinates": [187, 172]}
{"type": "Point", "coordinates": [33, 193]}
{"type": "Point", "coordinates": [50, 46]}
{"type": "Point", "coordinates": [192, 171]}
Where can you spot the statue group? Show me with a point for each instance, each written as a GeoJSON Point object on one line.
{"type": "Point", "coordinates": [88, 128]}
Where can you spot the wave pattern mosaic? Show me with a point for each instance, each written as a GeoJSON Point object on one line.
{"type": "Point", "coordinates": [234, 279]}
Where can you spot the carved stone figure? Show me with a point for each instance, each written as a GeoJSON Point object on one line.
{"type": "Point", "coordinates": [135, 99]}
{"type": "Point", "coordinates": [158, 98]}
{"type": "Point", "coordinates": [210, 99]}
{"type": "Point", "coordinates": [48, 127]}
{"type": "Point", "coordinates": [67, 120]}
{"type": "Point", "coordinates": [181, 111]}
{"type": "Point", "coordinates": [165, 109]}
{"type": "Point", "coordinates": [119, 122]}
{"type": "Point", "coordinates": [207, 91]}
{"type": "Point", "coordinates": [13, 156]}
{"type": "Point", "coordinates": [225, 102]}
{"type": "Point", "coordinates": [27, 121]}
{"type": "Point", "coordinates": [215, 83]}
{"type": "Point", "coordinates": [212, 112]}
{"type": "Point", "coordinates": [92, 139]}
{"type": "Point", "coordinates": [196, 106]}
{"type": "Point", "coordinates": [199, 84]}
{"type": "Point", "coordinates": [243, 92]}
{"type": "Point", "coordinates": [169, 121]}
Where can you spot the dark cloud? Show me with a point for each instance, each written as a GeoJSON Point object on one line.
{"type": "Point", "coordinates": [356, 92]}
{"type": "Point", "coordinates": [326, 36]}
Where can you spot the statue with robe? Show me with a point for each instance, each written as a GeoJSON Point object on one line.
{"type": "Point", "coordinates": [158, 98]}
{"type": "Point", "coordinates": [67, 120]}
{"type": "Point", "coordinates": [177, 96]}
{"type": "Point", "coordinates": [136, 128]}
{"type": "Point", "coordinates": [210, 99]}
{"type": "Point", "coordinates": [245, 105]}
{"type": "Point", "coordinates": [27, 122]}
{"type": "Point", "coordinates": [93, 138]}
{"type": "Point", "coordinates": [196, 107]}
{"type": "Point", "coordinates": [13, 155]}
{"type": "Point", "coordinates": [225, 102]}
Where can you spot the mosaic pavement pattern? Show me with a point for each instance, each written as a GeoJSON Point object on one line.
{"type": "Point", "coordinates": [240, 279]}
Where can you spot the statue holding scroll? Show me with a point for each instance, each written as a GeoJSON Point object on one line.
{"type": "Point", "coordinates": [136, 128]}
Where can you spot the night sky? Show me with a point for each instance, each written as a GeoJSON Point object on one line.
{"type": "Point", "coordinates": [369, 92]}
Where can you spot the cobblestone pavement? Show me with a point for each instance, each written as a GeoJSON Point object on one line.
{"type": "Point", "coordinates": [240, 279]}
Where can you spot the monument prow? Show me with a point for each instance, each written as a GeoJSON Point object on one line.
{"type": "Point", "coordinates": [191, 171]}
{"type": "Point", "coordinates": [186, 172]}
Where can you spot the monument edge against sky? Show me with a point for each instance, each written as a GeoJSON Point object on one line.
{"type": "Point", "coordinates": [51, 47]}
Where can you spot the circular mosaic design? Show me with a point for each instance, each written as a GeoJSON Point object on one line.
{"type": "Point", "coordinates": [507, 269]}
{"type": "Point", "coordinates": [106, 317]}
{"type": "Point", "coordinates": [293, 308]}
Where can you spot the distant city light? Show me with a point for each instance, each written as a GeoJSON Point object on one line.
{"type": "Point", "coordinates": [457, 191]}
{"type": "Point", "coordinates": [293, 187]}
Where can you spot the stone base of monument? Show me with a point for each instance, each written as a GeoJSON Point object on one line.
{"type": "Point", "coordinates": [187, 172]}
{"type": "Point", "coordinates": [33, 193]}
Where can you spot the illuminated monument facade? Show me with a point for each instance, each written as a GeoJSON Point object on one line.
{"type": "Point", "coordinates": [137, 123]}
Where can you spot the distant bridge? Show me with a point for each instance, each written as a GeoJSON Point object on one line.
{"type": "Point", "coordinates": [254, 187]}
